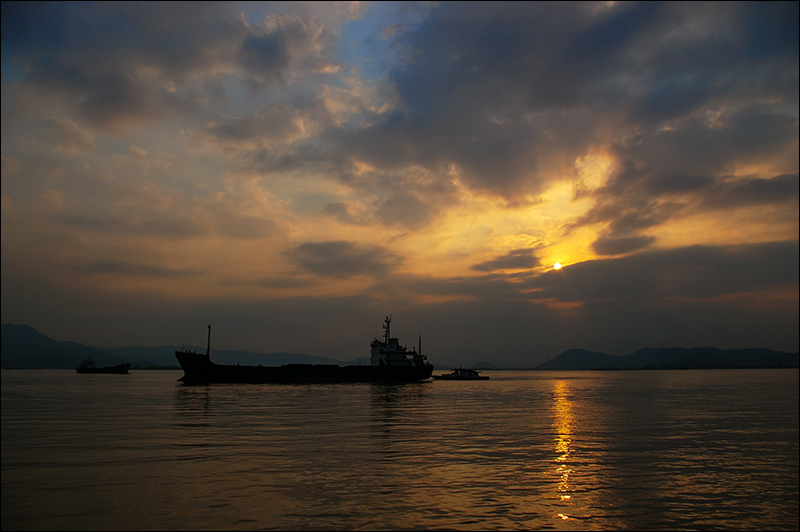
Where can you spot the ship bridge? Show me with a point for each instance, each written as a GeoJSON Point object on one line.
{"type": "Point", "coordinates": [389, 352]}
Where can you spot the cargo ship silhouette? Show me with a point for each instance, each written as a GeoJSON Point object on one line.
{"type": "Point", "coordinates": [389, 362]}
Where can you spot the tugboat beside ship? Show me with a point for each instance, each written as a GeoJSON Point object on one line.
{"type": "Point", "coordinates": [389, 362]}
{"type": "Point", "coordinates": [461, 374]}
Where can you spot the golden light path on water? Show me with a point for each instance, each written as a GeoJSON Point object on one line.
{"type": "Point", "coordinates": [563, 421]}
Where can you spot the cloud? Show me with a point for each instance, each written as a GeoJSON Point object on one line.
{"type": "Point", "coordinates": [270, 125]}
{"type": "Point", "coordinates": [619, 245]}
{"type": "Point", "coordinates": [172, 228]}
{"type": "Point", "coordinates": [66, 136]}
{"type": "Point", "coordinates": [782, 189]}
{"type": "Point", "coordinates": [677, 184]}
{"type": "Point", "coordinates": [644, 200]}
{"type": "Point", "coordinates": [134, 64]}
{"type": "Point", "coordinates": [516, 259]}
{"type": "Point", "coordinates": [684, 273]}
{"type": "Point", "coordinates": [281, 46]}
{"type": "Point", "coordinates": [112, 267]}
{"type": "Point", "coordinates": [404, 210]}
{"type": "Point", "coordinates": [699, 146]}
{"type": "Point", "coordinates": [294, 152]}
{"type": "Point", "coordinates": [503, 94]}
{"type": "Point", "coordinates": [341, 259]}
{"type": "Point", "coordinates": [239, 215]}
{"type": "Point", "coordinates": [344, 213]}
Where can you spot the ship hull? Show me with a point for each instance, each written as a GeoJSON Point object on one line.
{"type": "Point", "coordinates": [121, 369]}
{"type": "Point", "coordinates": [198, 369]}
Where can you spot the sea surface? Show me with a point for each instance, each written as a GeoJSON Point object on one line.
{"type": "Point", "coordinates": [525, 450]}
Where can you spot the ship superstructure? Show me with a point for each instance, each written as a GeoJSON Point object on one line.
{"type": "Point", "coordinates": [389, 352]}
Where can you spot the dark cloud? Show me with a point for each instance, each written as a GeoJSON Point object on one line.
{"type": "Point", "coordinates": [698, 147]}
{"type": "Point", "coordinates": [504, 92]}
{"type": "Point", "coordinates": [485, 288]}
{"type": "Point", "coordinates": [675, 172]}
{"type": "Point", "coordinates": [704, 55]}
{"type": "Point", "coordinates": [624, 215]}
{"type": "Point", "coordinates": [341, 211]}
{"type": "Point", "coordinates": [275, 49]}
{"type": "Point", "coordinates": [94, 55]}
{"type": "Point", "coordinates": [97, 36]}
{"type": "Point", "coordinates": [342, 258]}
{"type": "Point", "coordinates": [113, 267]}
{"type": "Point", "coordinates": [597, 51]}
{"type": "Point", "coordinates": [619, 245]}
{"type": "Point", "coordinates": [176, 228]}
{"type": "Point", "coordinates": [126, 63]}
{"type": "Point", "coordinates": [690, 273]}
{"type": "Point", "coordinates": [285, 283]}
{"type": "Point", "coordinates": [782, 189]}
{"type": "Point", "coordinates": [404, 210]}
{"type": "Point", "coordinates": [640, 200]}
{"type": "Point", "coordinates": [245, 227]}
{"type": "Point", "coordinates": [517, 259]}
{"type": "Point", "coordinates": [270, 124]}
{"type": "Point", "coordinates": [464, 100]}
{"type": "Point", "coordinates": [647, 279]}
{"type": "Point", "coordinates": [266, 56]}
{"type": "Point", "coordinates": [677, 184]}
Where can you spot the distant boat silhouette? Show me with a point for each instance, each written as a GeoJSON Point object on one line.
{"type": "Point", "coordinates": [89, 366]}
{"type": "Point", "coordinates": [389, 362]}
{"type": "Point", "coordinates": [461, 374]}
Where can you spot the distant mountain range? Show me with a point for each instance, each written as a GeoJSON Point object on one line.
{"type": "Point", "coordinates": [674, 358]}
{"type": "Point", "coordinates": [22, 346]}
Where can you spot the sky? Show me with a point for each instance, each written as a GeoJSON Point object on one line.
{"type": "Point", "coordinates": [292, 173]}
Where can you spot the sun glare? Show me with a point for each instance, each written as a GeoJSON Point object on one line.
{"type": "Point", "coordinates": [557, 266]}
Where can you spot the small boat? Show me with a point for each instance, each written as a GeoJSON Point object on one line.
{"type": "Point", "coordinates": [389, 362]}
{"type": "Point", "coordinates": [88, 366]}
{"type": "Point", "coordinates": [461, 374]}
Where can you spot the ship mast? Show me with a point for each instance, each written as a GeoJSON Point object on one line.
{"type": "Point", "coordinates": [386, 326]}
{"type": "Point", "coordinates": [208, 349]}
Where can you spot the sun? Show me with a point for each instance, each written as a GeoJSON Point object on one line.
{"type": "Point", "coordinates": [557, 266]}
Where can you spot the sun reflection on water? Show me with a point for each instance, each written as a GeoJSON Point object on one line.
{"type": "Point", "coordinates": [563, 422]}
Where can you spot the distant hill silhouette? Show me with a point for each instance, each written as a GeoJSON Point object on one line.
{"type": "Point", "coordinates": [674, 358]}
{"type": "Point", "coordinates": [22, 346]}
{"type": "Point", "coordinates": [583, 359]}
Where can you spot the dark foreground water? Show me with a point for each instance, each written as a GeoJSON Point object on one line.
{"type": "Point", "coordinates": [635, 450]}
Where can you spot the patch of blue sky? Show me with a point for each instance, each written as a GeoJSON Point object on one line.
{"type": "Point", "coordinates": [368, 43]}
{"type": "Point", "coordinates": [9, 70]}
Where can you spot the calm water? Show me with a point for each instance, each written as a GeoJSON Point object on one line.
{"type": "Point", "coordinates": [636, 450]}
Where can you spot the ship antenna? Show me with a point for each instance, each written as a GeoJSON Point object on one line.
{"type": "Point", "coordinates": [386, 326]}
{"type": "Point", "coordinates": [420, 345]}
{"type": "Point", "coordinates": [208, 350]}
